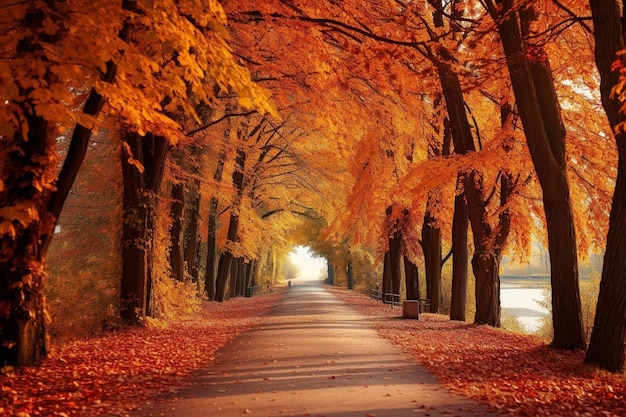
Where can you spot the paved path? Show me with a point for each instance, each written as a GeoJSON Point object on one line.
{"type": "Point", "coordinates": [316, 357]}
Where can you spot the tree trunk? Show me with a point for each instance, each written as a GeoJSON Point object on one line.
{"type": "Point", "coordinates": [226, 259]}
{"type": "Point", "coordinates": [140, 189]}
{"type": "Point", "coordinates": [487, 288]}
{"type": "Point", "coordinates": [546, 145]}
{"type": "Point", "coordinates": [22, 302]}
{"type": "Point", "coordinates": [176, 213]}
{"type": "Point", "coordinates": [331, 272]}
{"type": "Point", "coordinates": [223, 270]}
{"type": "Point", "coordinates": [387, 286]}
{"type": "Point", "coordinates": [350, 274]}
{"type": "Point", "coordinates": [251, 274]}
{"type": "Point", "coordinates": [411, 276]}
{"type": "Point", "coordinates": [431, 246]}
{"type": "Point", "coordinates": [190, 241]}
{"type": "Point", "coordinates": [234, 277]}
{"type": "Point", "coordinates": [211, 255]}
{"type": "Point", "coordinates": [459, 259]}
{"type": "Point", "coordinates": [395, 257]}
{"type": "Point", "coordinates": [606, 346]}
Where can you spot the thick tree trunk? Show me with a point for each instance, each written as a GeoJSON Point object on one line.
{"type": "Point", "coordinates": [350, 274]}
{"type": "Point", "coordinates": [177, 262]}
{"type": "Point", "coordinates": [223, 270]}
{"type": "Point", "coordinates": [459, 259]}
{"type": "Point", "coordinates": [431, 246]}
{"type": "Point", "coordinates": [395, 258]}
{"type": "Point", "coordinates": [411, 276]}
{"type": "Point", "coordinates": [234, 277]}
{"type": "Point", "coordinates": [251, 274]}
{"type": "Point", "coordinates": [140, 189]}
{"type": "Point", "coordinates": [606, 346]}
{"type": "Point", "coordinates": [547, 152]}
{"type": "Point", "coordinates": [331, 272]}
{"type": "Point", "coordinates": [387, 286]}
{"type": "Point", "coordinates": [22, 302]}
{"type": "Point", "coordinates": [485, 266]}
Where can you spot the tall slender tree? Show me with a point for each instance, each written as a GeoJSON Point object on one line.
{"type": "Point", "coordinates": [606, 346]}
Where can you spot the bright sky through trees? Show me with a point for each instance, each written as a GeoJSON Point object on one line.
{"type": "Point", "coordinates": [309, 267]}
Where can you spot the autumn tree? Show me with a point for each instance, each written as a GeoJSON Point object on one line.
{"type": "Point", "coordinates": [606, 347]}
{"type": "Point", "coordinates": [45, 70]}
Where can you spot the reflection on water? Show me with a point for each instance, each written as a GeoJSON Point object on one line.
{"type": "Point", "coordinates": [527, 304]}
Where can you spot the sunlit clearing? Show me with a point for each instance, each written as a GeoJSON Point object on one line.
{"type": "Point", "coordinates": [309, 266]}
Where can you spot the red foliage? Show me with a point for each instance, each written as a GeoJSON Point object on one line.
{"type": "Point", "coordinates": [516, 374]}
{"type": "Point", "coordinates": [120, 371]}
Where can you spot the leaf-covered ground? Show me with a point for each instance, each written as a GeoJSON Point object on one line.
{"type": "Point", "coordinates": [117, 372]}
{"type": "Point", "coordinates": [518, 375]}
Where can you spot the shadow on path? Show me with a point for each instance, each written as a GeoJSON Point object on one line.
{"type": "Point", "coordinates": [314, 357]}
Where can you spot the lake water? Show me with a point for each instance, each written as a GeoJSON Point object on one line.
{"type": "Point", "coordinates": [524, 304]}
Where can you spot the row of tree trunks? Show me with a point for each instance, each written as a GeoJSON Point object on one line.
{"type": "Point", "coordinates": [242, 277]}
{"type": "Point", "coordinates": [210, 274]}
{"type": "Point", "coordinates": [538, 109]}
{"type": "Point", "coordinates": [606, 345]}
{"type": "Point", "coordinates": [226, 259]}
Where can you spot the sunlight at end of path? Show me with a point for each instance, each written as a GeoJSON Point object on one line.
{"type": "Point", "coordinates": [310, 267]}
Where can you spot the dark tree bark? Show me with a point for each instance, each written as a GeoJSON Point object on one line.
{"type": "Point", "coordinates": [460, 224]}
{"type": "Point", "coordinates": [387, 286]}
{"type": "Point", "coordinates": [331, 272]}
{"type": "Point", "coordinates": [176, 214]}
{"type": "Point", "coordinates": [235, 271]}
{"type": "Point", "coordinates": [411, 276]}
{"type": "Point", "coordinates": [211, 256]}
{"type": "Point", "coordinates": [606, 346]}
{"type": "Point", "coordinates": [431, 246]}
{"type": "Point", "coordinates": [140, 190]}
{"type": "Point", "coordinates": [350, 274]}
{"type": "Point", "coordinates": [463, 140]}
{"type": "Point", "coordinates": [190, 240]}
{"type": "Point", "coordinates": [22, 318]}
{"type": "Point", "coordinates": [251, 274]}
{"type": "Point", "coordinates": [226, 259]}
{"type": "Point", "coordinates": [534, 92]}
{"type": "Point", "coordinates": [395, 257]}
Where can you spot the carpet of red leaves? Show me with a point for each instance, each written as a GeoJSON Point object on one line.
{"type": "Point", "coordinates": [517, 375]}
{"type": "Point", "coordinates": [115, 373]}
